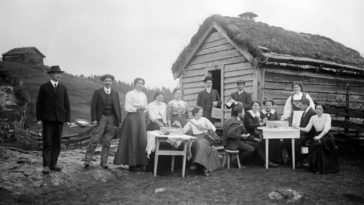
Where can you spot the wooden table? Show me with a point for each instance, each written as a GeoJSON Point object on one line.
{"type": "Point", "coordinates": [158, 138]}
{"type": "Point", "coordinates": [279, 133]}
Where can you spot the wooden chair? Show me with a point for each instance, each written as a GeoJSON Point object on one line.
{"type": "Point", "coordinates": [229, 154]}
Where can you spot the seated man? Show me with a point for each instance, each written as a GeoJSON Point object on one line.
{"type": "Point", "coordinates": [308, 112]}
{"type": "Point", "coordinates": [235, 136]}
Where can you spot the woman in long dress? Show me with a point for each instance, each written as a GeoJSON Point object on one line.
{"type": "Point", "coordinates": [204, 156]}
{"type": "Point", "coordinates": [322, 150]}
{"type": "Point", "coordinates": [157, 112]}
{"type": "Point", "coordinates": [133, 139]}
{"type": "Point", "coordinates": [293, 101]}
{"type": "Point", "coordinates": [177, 110]}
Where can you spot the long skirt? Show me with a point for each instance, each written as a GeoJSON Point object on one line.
{"type": "Point", "coordinates": [323, 155]}
{"type": "Point", "coordinates": [133, 141]}
{"type": "Point", "coordinates": [204, 154]}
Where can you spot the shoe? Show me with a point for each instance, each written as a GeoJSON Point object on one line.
{"type": "Point", "coordinates": [105, 166]}
{"type": "Point", "coordinates": [56, 168]}
{"type": "Point", "coordinates": [46, 170]}
{"type": "Point", "coordinates": [86, 165]}
{"type": "Point", "coordinates": [206, 173]}
{"type": "Point", "coordinates": [273, 165]}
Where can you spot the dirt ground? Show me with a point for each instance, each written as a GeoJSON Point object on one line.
{"type": "Point", "coordinates": [246, 186]}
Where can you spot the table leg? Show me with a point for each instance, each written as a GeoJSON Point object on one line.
{"type": "Point", "coordinates": [293, 155]}
{"type": "Point", "coordinates": [184, 159]}
{"type": "Point", "coordinates": [172, 164]}
{"type": "Point", "coordinates": [266, 153]}
{"type": "Point", "coordinates": [156, 157]}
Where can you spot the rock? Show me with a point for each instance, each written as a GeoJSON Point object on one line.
{"type": "Point", "coordinates": [159, 190]}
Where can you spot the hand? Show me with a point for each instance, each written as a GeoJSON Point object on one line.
{"type": "Point", "coordinates": [39, 123]}
{"type": "Point", "coordinates": [94, 122]}
{"type": "Point", "coordinates": [317, 138]}
{"type": "Point", "coordinates": [68, 124]}
{"type": "Point", "coordinates": [160, 123]}
{"type": "Point", "coordinates": [140, 109]}
{"type": "Point", "coordinates": [177, 124]}
{"type": "Point", "coordinates": [245, 136]}
{"type": "Point", "coordinates": [214, 104]}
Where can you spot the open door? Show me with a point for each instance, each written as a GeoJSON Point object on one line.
{"type": "Point", "coordinates": [216, 79]}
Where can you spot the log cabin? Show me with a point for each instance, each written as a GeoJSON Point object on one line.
{"type": "Point", "coordinates": [25, 55]}
{"type": "Point", "coordinates": [269, 59]}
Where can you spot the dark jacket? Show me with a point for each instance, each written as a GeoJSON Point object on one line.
{"type": "Point", "coordinates": [205, 100]}
{"type": "Point", "coordinates": [251, 123]}
{"type": "Point", "coordinates": [305, 119]}
{"type": "Point", "coordinates": [245, 98]}
{"type": "Point", "coordinates": [97, 105]}
{"type": "Point", "coordinates": [270, 116]}
{"type": "Point", "coordinates": [231, 133]}
{"type": "Point", "coordinates": [53, 103]}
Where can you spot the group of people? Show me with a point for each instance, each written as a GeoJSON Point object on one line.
{"type": "Point", "coordinates": [239, 132]}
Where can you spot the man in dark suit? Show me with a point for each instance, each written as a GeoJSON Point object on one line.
{"type": "Point", "coordinates": [304, 137]}
{"type": "Point", "coordinates": [208, 98]}
{"type": "Point", "coordinates": [106, 114]}
{"type": "Point", "coordinates": [240, 96]}
{"type": "Point", "coordinates": [53, 110]}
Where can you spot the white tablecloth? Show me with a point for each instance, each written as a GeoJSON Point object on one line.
{"type": "Point", "coordinates": [280, 133]}
{"type": "Point", "coordinates": [173, 139]}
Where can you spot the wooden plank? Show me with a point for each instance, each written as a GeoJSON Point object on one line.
{"type": "Point", "coordinates": [350, 125]}
{"type": "Point", "coordinates": [288, 75]}
{"type": "Point", "coordinates": [237, 66]}
{"type": "Point", "coordinates": [214, 36]}
{"type": "Point", "coordinates": [214, 43]}
{"type": "Point", "coordinates": [342, 111]}
{"type": "Point", "coordinates": [197, 72]}
{"type": "Point", "coordinates": [237, 73]}
{"type": "Point", "coordinates": [189, 91]}
{"type": "Point", "coordinates": [215, 56]}
{"type": "Point", "coordinates": [233, 84]}
{"type": "Point", "coordinates": [215, 49]}
{"type": "Point", "coordinates": [198, 84]}
{"type": "Point", "coordinates": [235, 79]}
{"type": "Point", "coordinates": [217, 62]}
{"type": "Point", "coordinates": [323, 88]}
{"type": "Point", "coordinates": [193, 79]}
{"type": "Point", "coordinates": [190, 97]}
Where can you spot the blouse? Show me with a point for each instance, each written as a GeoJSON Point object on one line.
{"type": "Point", "coordinates": [157, 110]}
{"type": "Point", "coordinates": [134, 99]}
{"type": "Point", "coordinates": [321, 124]}
{"type": "Point", "coordinates": [177, 107]}
{"type": "Point", "coordinates": [203, 122]}
{"type": "Point", "coordinates": [287, 110]}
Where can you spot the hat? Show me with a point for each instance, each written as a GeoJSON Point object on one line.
{"type": "Point", "coordinates": [55, 69]}
{"type": "Point", "coordinates": [240, 82]}
{"type": "Point", "coordinates": [207, 78]}
{"type": "Point", "coordinates": [107, 76]}
{"type": "Point", "coordinates": [269, 100]}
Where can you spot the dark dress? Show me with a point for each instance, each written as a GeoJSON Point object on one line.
{"type": "Point", "coordinates": [205, 100]}
{"type": "Point", "coordinates": [323, 156]}
{"type": "Point", "coordinates": [276, 146]}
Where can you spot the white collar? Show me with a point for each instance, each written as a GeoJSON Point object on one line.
{"type": "Point", "coordinates": [208, 90]}
{"type": "Point", "coordinates": [240, 92]}
{"type": "Point", "coordinates": [254, 114]}
{"type": "Point", "coordinates": [272, 111]}
{"type": "Point", "coordinates": [107, 90]}
{"type": "Point", "coordinates": [53, 82]}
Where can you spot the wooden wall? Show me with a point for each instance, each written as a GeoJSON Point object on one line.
{"type": "Point", "coordinates": [322, 87]}
{"type": "Point", "coordinates": [215, 53]}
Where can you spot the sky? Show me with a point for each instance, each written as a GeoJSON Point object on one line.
{"type": "Point", "coordinates": [142, 38]}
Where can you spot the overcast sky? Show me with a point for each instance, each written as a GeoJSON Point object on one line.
{"type": "Point", "coordinates": [142, 38]}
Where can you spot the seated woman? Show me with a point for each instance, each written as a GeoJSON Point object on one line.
{"type": "Point", "coordinates": [322, 150]}
{"type": "Point", "coordinates": [234, 134]}
{"type": "Point", "coordinates": [177, 110]}
{"type": "Point", "coordinates": [253, 119]}
{"type": "Point", "coordinates": [204, 156]}
{"type": "Point", "coordinates": [157, 112]}
{"type": "Point", "coordinates": [276, 146]}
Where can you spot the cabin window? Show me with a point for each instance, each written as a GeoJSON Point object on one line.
{"type": "Point", "coordinates": [216, 79]}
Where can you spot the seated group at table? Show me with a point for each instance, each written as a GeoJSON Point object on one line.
{"type": "Point", "coordinates": [239, 133]}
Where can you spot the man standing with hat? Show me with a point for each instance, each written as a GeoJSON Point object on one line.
{"type": "Point", "coordinates": [208, 98]}
{"type": "Point", "coordinates": [240, 97]}
{"type": "Point", "coordinates": [106, 114]}
{"type": "Point", "coordinates": [53, 110]}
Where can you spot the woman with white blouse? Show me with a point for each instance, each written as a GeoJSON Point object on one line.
{"type": "Point", "coordinates": [157, 112]}
{"type": "Point", "coordinates": [322, 150]}
{"type": "Point", "coordinates": [292, 103]}
{"type": "Point", "coordinates": [133, 139]}
{"type": "Point", "coordinates": [205, 157]}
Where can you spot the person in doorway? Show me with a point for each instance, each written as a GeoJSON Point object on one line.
{"type": "Point", "coordinates": [208, 98]}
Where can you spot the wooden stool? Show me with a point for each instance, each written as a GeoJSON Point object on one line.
{"type": "Point", "coordinates": [229, 154]}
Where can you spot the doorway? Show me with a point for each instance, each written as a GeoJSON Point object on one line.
{"type": "Point", "coordinates": [216, 80]}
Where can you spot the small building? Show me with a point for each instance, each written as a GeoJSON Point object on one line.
{"type": "Point", "coordinates": [269, 59]}
{"type": "Point", "coordinates": [25, 55]}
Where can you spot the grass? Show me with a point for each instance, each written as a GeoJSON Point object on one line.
{"type": "Point", "coordinates": [247, 186]}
